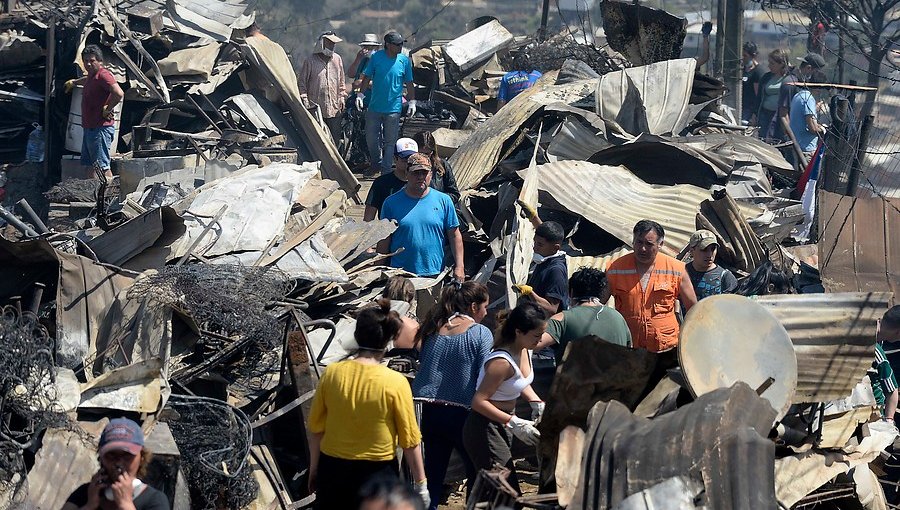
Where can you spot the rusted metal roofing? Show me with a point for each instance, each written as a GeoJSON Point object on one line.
{"type": "Point", "coordinates": [615, 199]}
{"type": "Point", "coordinates": [858, 248]}
{"type": "Point", "coordinates": [833, 337]}
{"type": "Point", "coordinates": [719, 439]}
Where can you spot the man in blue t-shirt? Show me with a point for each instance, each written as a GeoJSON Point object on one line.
{"type": "Point", "coordinates": [425, 219]}
{"type": "Point", "coordinates": [388, 70]}
{"type": "Point", "coordinates": [803, 121]}
{"type": "Point", "coordinates": [513, 83]}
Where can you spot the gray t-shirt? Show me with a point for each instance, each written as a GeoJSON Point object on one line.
{"type": "Point", "coordinates": [717, 280]}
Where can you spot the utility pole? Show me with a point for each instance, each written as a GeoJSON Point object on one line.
{"type": "Point", "coordinates": [545, 13]}
{"type": "Point", "coordinates": [719, 55]}
{"type": "Point", "coordinates": [733, 64]}
{"type": "Point", "coordinates": [841, 49]}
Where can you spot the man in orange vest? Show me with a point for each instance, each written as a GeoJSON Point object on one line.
{"type": "Point", "coordinates": [646, 284]}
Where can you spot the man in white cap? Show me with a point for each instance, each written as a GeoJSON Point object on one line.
{"type": "Point", "coordinates": [708, 278]}
{"type": "Point", "coordinates": [388, 184]}
{"type": "Point", "coordinates": [321, 82]}
{"type": "Point", "coordinates": [388, 71]}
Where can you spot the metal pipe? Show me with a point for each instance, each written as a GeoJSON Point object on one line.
{"type": "Point", "coordinates": [14, 220]}
{"type": "Point", "coordinates": [35, 219]}
{"type": "Point", "coordinates": [38, 294]}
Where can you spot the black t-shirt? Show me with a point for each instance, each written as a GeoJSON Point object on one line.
{"type": "Point", "coordinates": [750, 99]}
{"type": "Point", "coordinates": [550, 279]}
{"type": "Point", "coordinates": [383, 187]}
{"type": "Point", "coordinates": [447, 183]}
{"type": "Point", "coordinates": [149, 499]}
{"type": "Point", "coordinates": [717, 280]}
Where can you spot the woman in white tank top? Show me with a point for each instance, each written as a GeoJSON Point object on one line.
{"type": "Point", "coordinates": [506, 375]}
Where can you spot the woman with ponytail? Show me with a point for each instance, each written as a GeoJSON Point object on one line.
{"type": "Point", "coordinates": [506, 375]}
{"type": "Point", "coordinates": [454, 345]}
{"type": "Point", "coordinates": [361, 412]}
{"type": "Point", "coordinates": [443, 179]}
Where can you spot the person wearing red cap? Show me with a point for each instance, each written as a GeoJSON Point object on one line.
{"type": "Point", "coordinates": [116, 485]}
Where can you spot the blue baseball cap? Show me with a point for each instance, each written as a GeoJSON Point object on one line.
{"type": "Point", "coordinates": [122, 434]}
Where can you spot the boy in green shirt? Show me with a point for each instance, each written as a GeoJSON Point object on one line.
{"type": "Point", "coordinates": [589, 291]}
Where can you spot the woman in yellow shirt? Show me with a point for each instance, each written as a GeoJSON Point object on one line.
{"type": "Point", "coordinates": [361, 412]}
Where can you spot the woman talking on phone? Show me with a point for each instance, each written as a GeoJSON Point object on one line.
{"type": "Point", "coordinates": [117, 486]}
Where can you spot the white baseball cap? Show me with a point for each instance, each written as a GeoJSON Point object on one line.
{"type": "Point", "coordinates": [406, 147]}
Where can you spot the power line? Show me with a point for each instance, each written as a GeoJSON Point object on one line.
{"type": "Point", "coordinates": [416, 31]}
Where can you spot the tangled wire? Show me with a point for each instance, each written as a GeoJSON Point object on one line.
{"type": "Point", "coordinates": [227, 302]}
{"type": "Point", "coordinates": [214, 440]}
{"type": "Point", "coordinates": [551, 54]}
{"type": "Point", "coordinates": [226, 299]}
{"type": "Point", "coordinates": [28, 401]}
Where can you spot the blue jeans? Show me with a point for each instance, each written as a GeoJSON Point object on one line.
{"type": "Point", "coordinates": [382, 130]}
{"type": "Point", "coordinates": [95, 146]}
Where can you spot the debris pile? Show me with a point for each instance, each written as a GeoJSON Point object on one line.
{"type": "Point", "coordinates": [205, 288]}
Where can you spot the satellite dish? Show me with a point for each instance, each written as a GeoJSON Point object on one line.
{"type": "Point", "coordinates": [728, 338]}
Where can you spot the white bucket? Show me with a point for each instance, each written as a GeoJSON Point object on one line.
{"type": "Point", "coordinates": [74, 130]}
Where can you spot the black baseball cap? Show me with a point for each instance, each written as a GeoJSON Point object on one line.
{"type": "Point", "coordinates": [813, 59]}
{"type": "Point", "coordinates": [393, 37]}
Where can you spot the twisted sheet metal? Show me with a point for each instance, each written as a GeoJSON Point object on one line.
{"type": "Point", "coordinates": [833, 336]}
{"type": "Point", "coordinates": [614, 199]}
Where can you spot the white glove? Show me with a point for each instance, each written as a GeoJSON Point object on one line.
{"type": "Point", "coordinates": [524, 430]}
{"type": "Point", "coordinates": [537, 410]}
{"type": "Point", "coordinates": [422, 490]}
{"type": "Point", "coordinates": [411, 108]}
{"type": "Point", "coordinates": [360, 101]}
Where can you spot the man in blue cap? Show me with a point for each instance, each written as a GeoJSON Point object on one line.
{"type": "Point", "coordinates": [388, 71]}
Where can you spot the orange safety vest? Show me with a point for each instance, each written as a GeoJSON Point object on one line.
{"type": "Point", "coordinates": [650, 312]}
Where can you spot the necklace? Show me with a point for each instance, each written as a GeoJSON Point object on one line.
{"type": "Point", "coordinates": [455, 315]}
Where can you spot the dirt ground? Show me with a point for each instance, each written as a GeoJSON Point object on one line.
{"type": "Point", "coordinates": [528, 480]}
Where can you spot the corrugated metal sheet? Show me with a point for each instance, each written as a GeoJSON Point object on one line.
{"type": "Point", "coordinates": [615, 199]}
{"type": "Point", "coordinates": [599, 262]}
{"type": "Point", "coordinates": [348, 239]}
{"type": "Point", "coordinates": [648, 99]}
{"type": "Point", "coordinates": [858, 248]}
{"type": "Point", "coordinates": [833, 337]}
{"type": "Point", "coordinates": [64, 462]}
{"type": "Point", "coordinates": [215, 19]}
{"type": "Point", "coordinates": [478, 155]}
{"type": "Point", "coordinates": [576, 141]}
{"type": "Point", "coordinates": [720, 439]}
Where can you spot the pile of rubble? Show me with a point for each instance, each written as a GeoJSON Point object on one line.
{"type": "Point", "coordinates": [203, 291]}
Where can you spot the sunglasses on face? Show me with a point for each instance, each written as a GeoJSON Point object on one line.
{"type": "Point", "coordinates": [421, 173]}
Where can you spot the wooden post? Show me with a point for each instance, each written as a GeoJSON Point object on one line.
{"type": "Point", "coordinates": [545, 14]}
{"type": "Point", "coordinates": [720, 40]}
{"type": "Point", "coordinates": [853, 178]}
{"type": "Point", "coordinates": [841, 50]}
{"type": "Point", "coordinates": [49, 69]}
